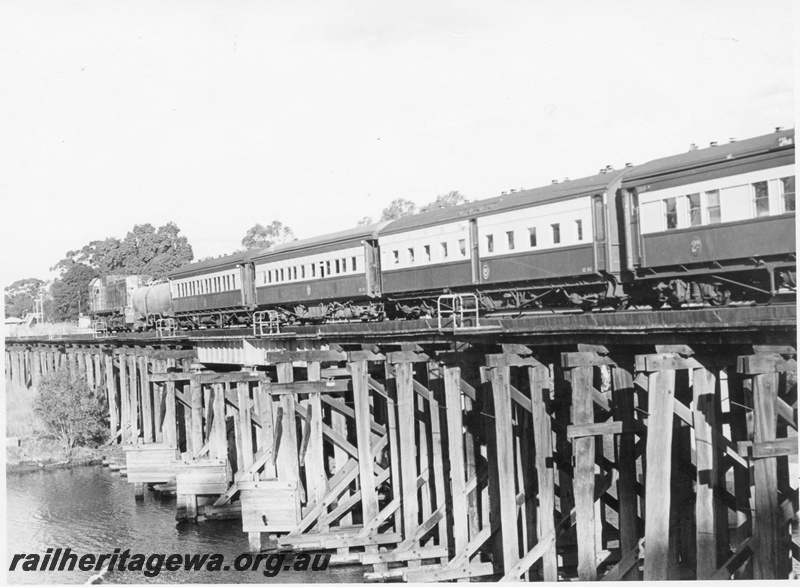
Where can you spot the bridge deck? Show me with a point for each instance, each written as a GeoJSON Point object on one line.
{"type": "Point", "coordinates": [730, 324]}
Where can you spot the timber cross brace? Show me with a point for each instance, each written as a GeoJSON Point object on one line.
{"type": "Point", "coordinates": [451, 461]}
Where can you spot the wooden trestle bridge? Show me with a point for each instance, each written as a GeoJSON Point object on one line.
{"type": "Point", "coordinates": [641, 445]}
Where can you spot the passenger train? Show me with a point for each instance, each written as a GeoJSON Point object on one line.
{"type": "Point", "coordinates": [707, 227]}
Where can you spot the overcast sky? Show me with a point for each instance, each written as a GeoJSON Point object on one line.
{"type": "Point", "coordinates": [218, 115]}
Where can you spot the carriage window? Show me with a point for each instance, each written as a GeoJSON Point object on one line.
{"type": "Point", "coordinates": [313, 270]}
{"type": "Point", "coordinates": [427, 249]}
{"type": "Point", "coordinates": [532, 235]}
{"type": "Point", "coordinates": [671, 212]}
{"type": "Point", "coordinates": [396, 257]}
{"type": "Point", "coordinates": [787, 183]}
{"type": "Point", "coordinates": [234, 282]}
{"type": "Point", "coordinates": [695, 216]}
{"type": "Point", "coordinates": [269, 276]}
{"type": "Point", "coordinates": [344, 265]}
{"type": "Point", "coordinates": [579, 229]}
{"type": "Point", "coordinates": [302, 271]}
{"type": "Point", "coordinates": [411, 254]}
{"type": "Point", "coordinates": [336, 264]}
{"type": "Point", "coordinates": [327, 267]}
{"type": "Point", "coordinates": [712, 207]}
{"type": "Point", "coordinates": [510, 236]}
{"type": "Point", "coordinates": [761, 197]}
{"type": "Point", "coordinates": [353, 259]}
{"type": "Point", "coordinates": [462, 247]}
{"type": "Point", "coordinates": [556, 233]}
{"type": "Point", "coordinates": [444, 250]}
{"type": "Point", "coordinates": [490, 243]}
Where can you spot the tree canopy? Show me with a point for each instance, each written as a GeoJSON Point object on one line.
{"type": "Point", "coordinates": [398, 208]}
{"type": "Point", "coordinates": [261, 237]}
{"type": "Point", "coordinates": [71, 292]}
{"type": "Point", "coordinates": [144, 251]}
{"type": "Point", "coordinates": [71, 411]}
{"type": "Point", "coordinates": [19, 297]}
{"type": "Point", "coordinates": [447, 200]}
{"type": "Point", "coordinates": [401, 207]}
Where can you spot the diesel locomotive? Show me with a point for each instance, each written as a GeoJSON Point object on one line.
{"type": "Point", "coordinates": [711, 226]}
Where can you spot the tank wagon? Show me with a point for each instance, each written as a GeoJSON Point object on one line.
{"type": "Point", "coordinates": [707, 227]}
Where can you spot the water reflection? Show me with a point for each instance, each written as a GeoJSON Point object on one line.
{"type": "Point", "coordinates": [91, 510]}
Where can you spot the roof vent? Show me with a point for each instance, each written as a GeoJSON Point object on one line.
{"type": "Point", "coordinates": [712, 144]}
{"type": "Point", "coordinates": [603, 170]}
{"type": "Point", "coordinates": [502, 193]}
{"type": "Point", "coordinates": [693, 147]}
{"type": "Point", "coordinates": [566, 179]}
{"type": "Point", "coordinates": [628, 165]}
{"type": "Point", "coordinates": [555, 181]}
{"type": "Point", "coordinates": [778, 128]}
{"type": "Point", "coordinates": [513, 190]}
{"type": "Point", "coordinates": [732, 140]}
{"type": "Point", "coordinates": [609, 168]}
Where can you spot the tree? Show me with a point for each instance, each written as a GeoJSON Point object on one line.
{"type": "Point", "coordinates": [261, 237]}
{"type": "Point", "coordinates": [71, 292]}
{"type": "Point", "coordinates": [19, 297]}
{"type": "Point", "coordinates": [105, 256]}
{"type": "Point", "coordinates": [143, 251]}
{"type": "Point", "coordinates": [398, 208]}
{"type": "Point", "coordinates": [70, 410]}
{"type": "Point", "coordinates": [445, 201]}
{"type": "Point", "coordinates": [365, 221]}
{"type": "Point", "coordinates": [147, 251]}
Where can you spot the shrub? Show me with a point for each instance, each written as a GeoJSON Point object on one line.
{"type": "Point", "coordinates": [70, 410]}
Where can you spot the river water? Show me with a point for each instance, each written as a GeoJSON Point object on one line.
{"type": "Point", "coordinates": [92, 511]}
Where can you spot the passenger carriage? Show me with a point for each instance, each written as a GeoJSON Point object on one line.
{"type": "Point", "coordinates": [332, 277]}
{"type": "Point", "coordinates": [215, 292]}
{"type": "Point", "coordinates": [713, 224]}
{"type": "Point", "coordinates": [550, 245]}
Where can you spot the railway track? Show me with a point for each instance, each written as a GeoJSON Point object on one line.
{"type": "Point", "coordinates": [639, 322]}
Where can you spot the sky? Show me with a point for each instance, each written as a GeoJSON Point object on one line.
{"type": "Point", "coordinates": [219, 115]}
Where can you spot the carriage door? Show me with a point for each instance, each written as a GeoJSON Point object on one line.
{"type": "Point", "coordinates": [473, 244]}
{"type": "Point", "coordinates": [372, 268]}
{"type": "Point", "coordinates": [247, 274]}
{"type": "Point", "coordinates": [634, 255]}
{"type": "Point", "coordinates": [598, 214]}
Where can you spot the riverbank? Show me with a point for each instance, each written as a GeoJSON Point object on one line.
{"type": "Point", "coordinates": [38, 454]}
